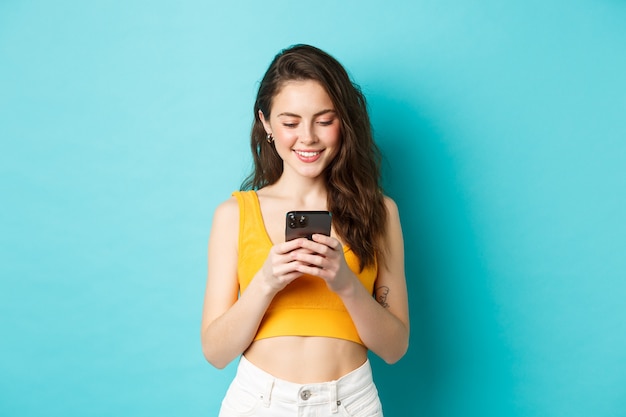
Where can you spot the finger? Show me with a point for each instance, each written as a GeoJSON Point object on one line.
{"type": "Point", "coordinates": [321, 250]}
{"type": "Point", "coordinates": [311, 269]}
{"type": "Point", "coordinates": [286, 247]}
{"type": "Point", "coordinates": [314, 245]}
{"type": "Point", "coordinates": [317, 262]}
{"type": "Point", "coordinates": [286, 273]}
{"type": "Point", "coordinates": [308, 259]}
{"type": "Point", "coordinates": [331, 242]}
{"type": "Point", "coordinates": [300, 251]}
{"type": "Point", "coordinates": [290, 277]}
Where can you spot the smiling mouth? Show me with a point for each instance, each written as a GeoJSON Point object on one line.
{"type": "Point", "coordinates": [308, 154]}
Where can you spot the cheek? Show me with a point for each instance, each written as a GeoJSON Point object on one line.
{"type": "Point", "coordinates": [284, 138]}
{"type": "Point", "coordinates": [335, 136]}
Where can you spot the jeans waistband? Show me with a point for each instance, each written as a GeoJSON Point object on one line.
{"type": "Point", "coordinates": [273, 388]}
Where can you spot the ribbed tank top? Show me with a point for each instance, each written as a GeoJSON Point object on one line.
{"type": "Point", "coordinates": [306, 307]}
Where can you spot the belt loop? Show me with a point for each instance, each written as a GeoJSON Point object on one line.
{"type": "Point", "coordinates": [333, 397]}
{"type": "Point", "coordinates": [269, 386]}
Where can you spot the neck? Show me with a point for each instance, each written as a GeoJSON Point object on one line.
{"type": "Point", "coordinates": [303, 192]}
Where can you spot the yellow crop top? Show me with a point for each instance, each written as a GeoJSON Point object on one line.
{"type": "Point", "coordinates": [306, 307]}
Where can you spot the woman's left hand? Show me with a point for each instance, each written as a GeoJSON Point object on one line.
{"type": "Point", "coordinates": [323, 257]}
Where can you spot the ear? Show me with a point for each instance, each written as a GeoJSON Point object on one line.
{"type": "Point", "coordinates": [266, 123]}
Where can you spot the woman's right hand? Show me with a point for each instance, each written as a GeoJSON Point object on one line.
{"type": "Point", "coordinates": [280, 267]}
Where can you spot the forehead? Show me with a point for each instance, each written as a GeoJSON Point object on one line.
{"type": "Point", "coordinates": [301, 96]}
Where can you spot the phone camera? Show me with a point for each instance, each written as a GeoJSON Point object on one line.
{"type": "Point", "coordinates": [303, 221]}
{"type": "Point", "coordinates": [292, 221]}
{"type": "Point", "coordinates": [297, 221]}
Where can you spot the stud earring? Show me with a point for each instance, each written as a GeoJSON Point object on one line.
{"type": "Point", "coordinates": [269, 138]}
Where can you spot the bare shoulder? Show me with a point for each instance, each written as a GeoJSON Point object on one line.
{"type": "Point", "coordinates": [227, 210]}
{"type": "Point", "coordinates": [225, 226]}
{"type": "Point", "coordinates": [393, 238]}
{"type": "Point", "coordinates": [392, 210]}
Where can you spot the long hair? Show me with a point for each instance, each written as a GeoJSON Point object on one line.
{"type": "Point", "coordinates": [355, 196]}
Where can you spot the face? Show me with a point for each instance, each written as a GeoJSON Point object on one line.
{"type": "Point", "coordinates": [305, 126]}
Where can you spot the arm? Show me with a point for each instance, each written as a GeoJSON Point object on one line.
{"type": "Point", "coordinates": [229, 324]}
{"type": "Point", "coordinates": [383, 324]}
{"type": "Point", "coordinates": [225, 336]}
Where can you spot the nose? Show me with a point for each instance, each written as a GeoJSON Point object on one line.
{"type": "Point", "coordinates": [307, 135]}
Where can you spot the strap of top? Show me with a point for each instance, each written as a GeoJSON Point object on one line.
{"type": "Point", "coordinates": [254, 243]}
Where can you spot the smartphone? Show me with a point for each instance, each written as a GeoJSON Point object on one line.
{"type": "Point", "coordinates": [307, 223]}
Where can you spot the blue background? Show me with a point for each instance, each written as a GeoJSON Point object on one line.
{"type": "Point", "coordinates": [123, 125]}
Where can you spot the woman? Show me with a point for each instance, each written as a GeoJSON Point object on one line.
{"type": "Point", "coordinates": [302, 314]}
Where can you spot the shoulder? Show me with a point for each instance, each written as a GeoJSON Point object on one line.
{"type": "Point", "coordinates": [393, 241]}
{"type": "Point", "coordinates": [225, 228]}
{"type": "Point", "coordinates": [393, 228]}
{"type": "Point", "coordinates": [227, 210]}
{"type": "Point", "coordinates": [392, 207]}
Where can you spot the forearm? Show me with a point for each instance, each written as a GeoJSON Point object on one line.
{"type": "Point", "coordinates": [229, 335]}
{"type": "Point", "coordinates": [382, 332]}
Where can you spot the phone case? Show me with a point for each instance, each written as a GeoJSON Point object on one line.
{"type": "Point", "coordinates": [307, 223]}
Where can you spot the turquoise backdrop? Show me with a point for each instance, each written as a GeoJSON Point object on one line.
{"type": "Point", "coordinates": [124, 123]}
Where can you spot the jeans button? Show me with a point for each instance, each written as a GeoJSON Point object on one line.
{"type": "Point", "coordinates": [305, 395]}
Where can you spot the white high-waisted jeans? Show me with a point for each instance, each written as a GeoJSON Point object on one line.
{"type": "Point", "coordinates": [255, 392]}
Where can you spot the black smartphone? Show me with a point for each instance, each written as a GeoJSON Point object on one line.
{"type": "Point", "coordinates": [307, 223]}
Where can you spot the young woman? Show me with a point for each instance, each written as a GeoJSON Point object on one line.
{"type": "Point", "coordinates": [302, 314]}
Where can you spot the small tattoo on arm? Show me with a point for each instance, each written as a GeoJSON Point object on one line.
{"type": "Point", "coordinates": [381, 296]}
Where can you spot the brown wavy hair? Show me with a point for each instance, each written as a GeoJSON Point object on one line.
{"type": "Point", "coordinates": [355, 196]}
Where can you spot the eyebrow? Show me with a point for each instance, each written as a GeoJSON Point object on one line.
{"type": "Point", "coordinates": [319, 113]}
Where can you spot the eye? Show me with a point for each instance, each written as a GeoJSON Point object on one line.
{"type": "Point", "coordinates": [326, 122]}
{"type": "Point", "coordinates": [290, 125]}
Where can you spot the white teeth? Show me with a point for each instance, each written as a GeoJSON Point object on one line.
{"type": "Point", "coordinates": [307, 154]}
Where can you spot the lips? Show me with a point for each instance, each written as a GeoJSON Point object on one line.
{"type": "Point", "coordinates": [308, 156]}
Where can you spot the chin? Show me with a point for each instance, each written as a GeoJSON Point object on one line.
{"type": "Point", "coordinates": [312, 174]}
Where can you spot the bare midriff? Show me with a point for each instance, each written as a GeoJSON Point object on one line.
{"type": "Point", "coordinates": [306, 360]}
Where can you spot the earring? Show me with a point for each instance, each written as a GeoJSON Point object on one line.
{"type": "Point", "coordinates": [269, 138]}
